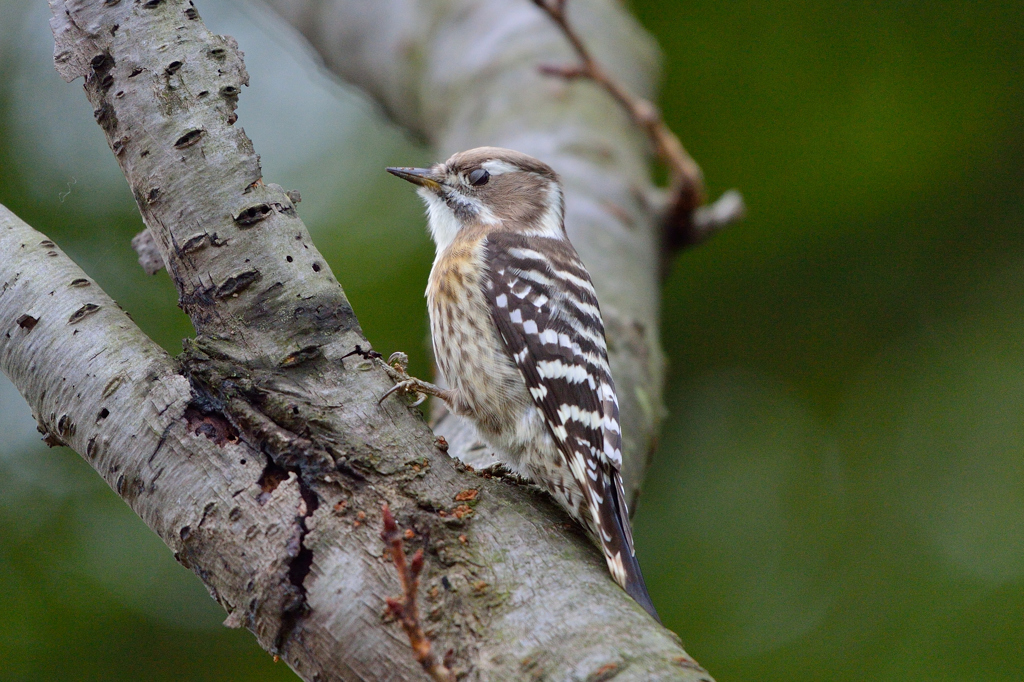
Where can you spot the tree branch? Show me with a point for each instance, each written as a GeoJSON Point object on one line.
{"type": "Point", "coordinates": [260, 456]}
{"type": "Point", "coordinates": [685, 224]}
{"type": "Point", "coordinates": [686, 181]}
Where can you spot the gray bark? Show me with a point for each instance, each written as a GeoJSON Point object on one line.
{"type": "Point", "coordinates": [463, 73]}
{"type": "Point", "coordinates": [260, 456]}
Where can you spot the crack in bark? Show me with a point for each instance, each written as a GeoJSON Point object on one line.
{"type": "Point", "coordinates": [219, 426]}
{"type": "Point", "coordinates": [228, 406]}
{"type": "Point", "coordinates": [210, 424]}
{"type": "Point", "coordinates": [297, 608]}
{"type": "Point", "coordinates": [271, 423]}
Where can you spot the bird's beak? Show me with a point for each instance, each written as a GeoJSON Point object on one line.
{"type": "Point", "coordinates": [423, 177]}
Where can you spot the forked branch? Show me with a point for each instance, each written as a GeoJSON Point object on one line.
{"type": "Point", "coordinates": [405, 610]}
{"type": "Point", "coordinates": [686, 223]}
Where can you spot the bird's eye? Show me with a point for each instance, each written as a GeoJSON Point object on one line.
{"type": "Point", "coordinates": [479, 177]}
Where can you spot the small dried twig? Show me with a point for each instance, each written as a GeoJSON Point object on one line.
{"type": "Point", "coordinates": [363, 353]}
{"type": "Point", "coordinates": [686, 181]}
{"type": "Point", "coordinates": [405, 611]}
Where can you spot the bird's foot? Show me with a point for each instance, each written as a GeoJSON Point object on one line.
{"type": "Point", "coordinates": [505, 472]}
{"type": "Point", "coordinates": [396, 368]}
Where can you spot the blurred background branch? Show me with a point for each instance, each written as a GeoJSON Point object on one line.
{"type": "Point", "coordinates": [683, 226]}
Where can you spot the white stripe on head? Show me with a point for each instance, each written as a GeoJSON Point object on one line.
{"type": "Point", "coordinates": [498, 167]}
{"type": "Point", "coordinates": [552, 221]}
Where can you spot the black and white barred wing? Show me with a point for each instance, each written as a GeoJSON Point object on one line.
{"type": "Point", "coordinates": [545, 308]}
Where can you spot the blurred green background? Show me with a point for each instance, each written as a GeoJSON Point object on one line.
{"type": "Point", "coordinates": [839, 494]}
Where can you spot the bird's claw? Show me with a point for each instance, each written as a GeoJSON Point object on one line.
{"type": "Point", "coordinates": [399, 361]}
{"type": "Point", "coordinates": [396, 368]}
{"type": "Point", "coordinates": [408, 385]}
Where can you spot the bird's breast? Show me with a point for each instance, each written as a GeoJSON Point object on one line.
{"type": "Point", "coordinates": [469, 351]}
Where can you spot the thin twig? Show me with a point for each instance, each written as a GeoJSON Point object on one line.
{"type": "Point", "coordinates": [686, 181]}
{"type": "Point", "coordinates": [405, 611]}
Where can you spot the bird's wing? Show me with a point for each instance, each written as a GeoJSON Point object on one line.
{"type": "Point", "coordinates": [545, 308]}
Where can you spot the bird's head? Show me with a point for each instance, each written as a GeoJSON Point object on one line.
{"type": "Point", "coordinates": [489, 187]}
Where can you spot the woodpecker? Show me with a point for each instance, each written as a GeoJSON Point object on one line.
{"type": "Point", "coordinates": [518, 335]}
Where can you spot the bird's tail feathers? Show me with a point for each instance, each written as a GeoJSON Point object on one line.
{"type": "Point", "coordinates": [618, 544]}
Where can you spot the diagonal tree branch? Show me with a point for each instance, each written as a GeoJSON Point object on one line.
{"type": "Point", "coordinates": [96, 383]}
{"type": "Point", "coordinates": [260, 456]}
